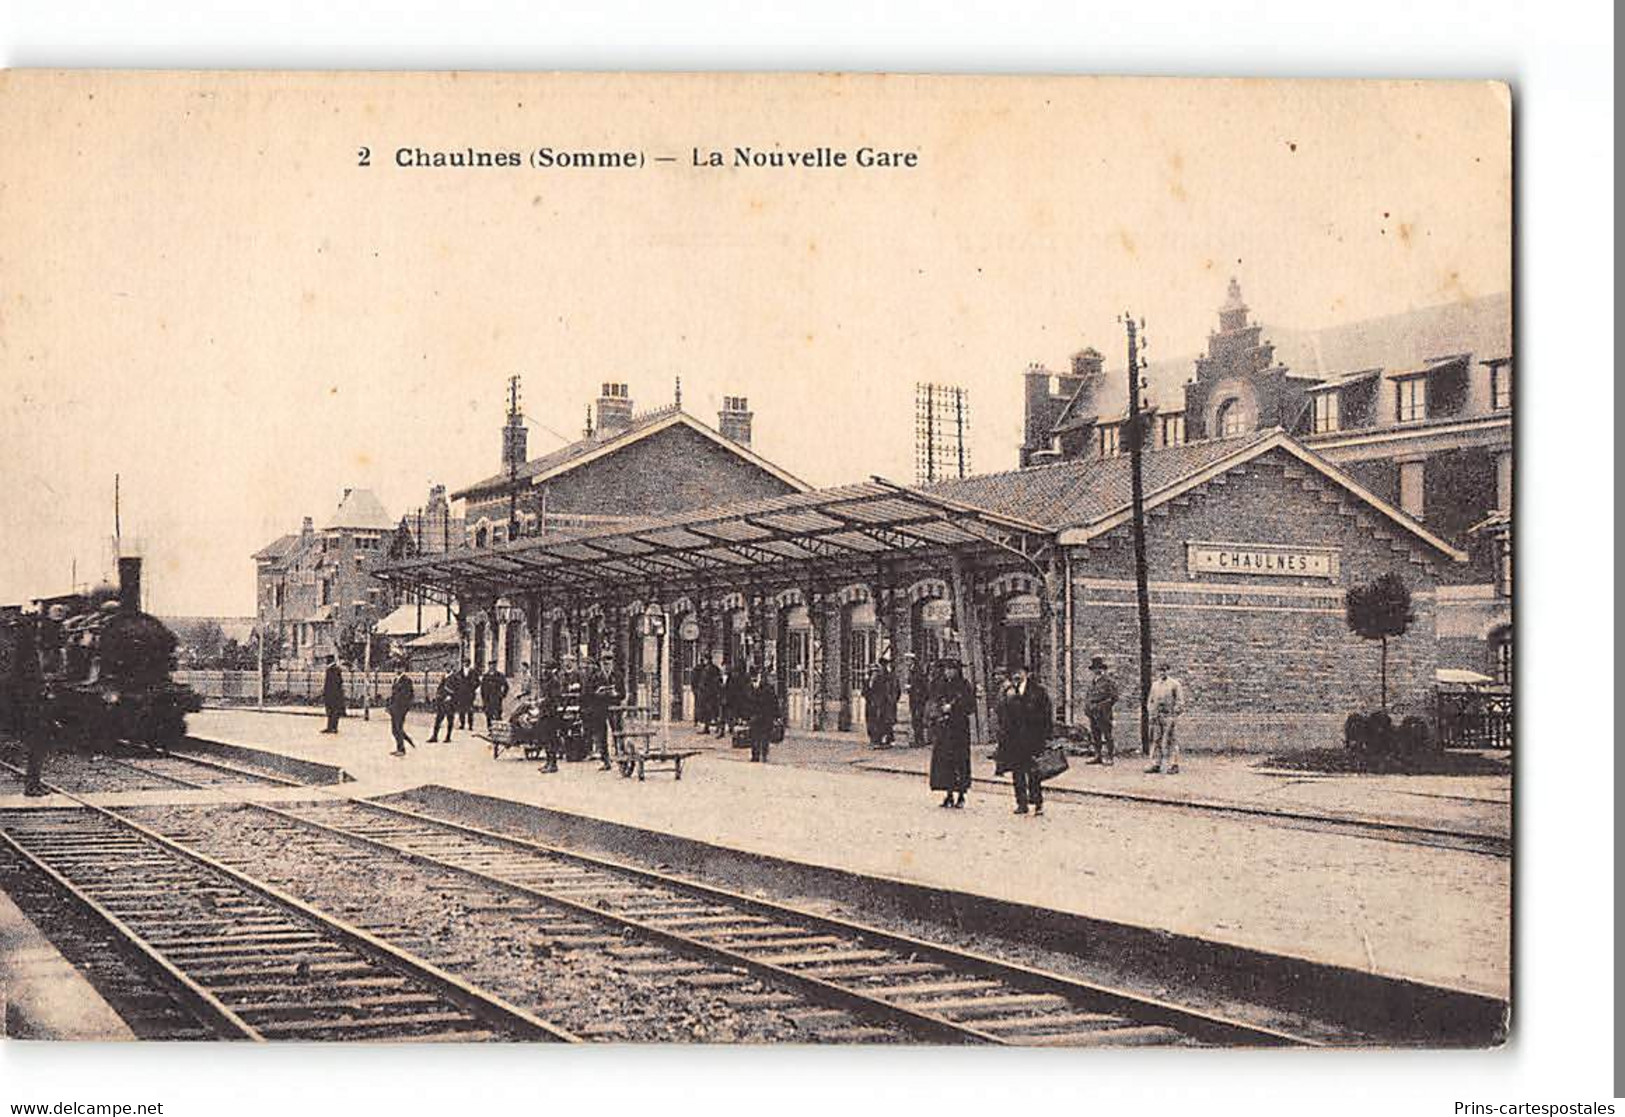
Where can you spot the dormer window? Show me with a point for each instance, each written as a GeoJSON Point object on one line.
{"type": "Point", "coordinates": [1326, 417]}
{"type": "Point", "coordinates": [1411, 399]}
{"type": "Point", "coordinates": [1173, 429]}
{"type": "Point", "coordinates": [1501, 386]}
{"type": "Point", "coordinates": [1110, 440]}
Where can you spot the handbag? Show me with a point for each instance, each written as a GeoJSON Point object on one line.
{"type": "Point", "coordinates": [776, 735]}
{"type": "Point", "coordinates": [1050, 762]}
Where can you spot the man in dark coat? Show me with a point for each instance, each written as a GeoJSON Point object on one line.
{"type": "Point", "coordinates": [445, 705]}
{"type": "Point", "coordinates": [735, 708]}
{"type": "Point", "coordinates": [468, 684]}
{"type": "Point", "coordinates": [951, 704]}
{"type": "Point", "coordinates": [549, 724]}
{"type": "Point", "coordinates": [333, 695]}
{"type": "Point", "coordinates": [919, 697]}
{"type": "Point", "coordinates": [880, 705]}
{"type": "Point", "coordinates": [759, 710]}
{"type": "Point", "coordinates": [707, 694]}
{"type": "Point", "coordinates": [1025, 721]}
{"type": "Point", "coordinates": [493, 689]}
{"type": "Point", "coordinates": [1098, 703]}
{"type": "Point", "coordinates": [399, 704]}
{"type": "Point", "coordinates": [27, 700]}
{"type": "Point", "coordinates": [598, 693]}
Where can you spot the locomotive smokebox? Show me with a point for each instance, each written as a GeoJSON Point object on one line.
{"type": "Point", "coordinates": [129, 584]}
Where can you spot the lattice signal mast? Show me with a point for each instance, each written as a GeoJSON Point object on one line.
{"type": "Point", "coordinates": [941, 432]}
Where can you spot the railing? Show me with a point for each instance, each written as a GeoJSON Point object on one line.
{"type": "Point", "coordinates": [1474, 719]}
{"type": "Point", "coordinates": [304, 686]}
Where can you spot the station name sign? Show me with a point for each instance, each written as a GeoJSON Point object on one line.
{"type": "Point", "coordinates": [1274, 560]}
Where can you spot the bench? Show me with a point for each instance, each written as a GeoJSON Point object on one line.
{"type": "Point", "coordinates": [635, 751]}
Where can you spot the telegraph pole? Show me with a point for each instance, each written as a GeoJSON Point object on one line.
{"type": "Point", "coordinates": [513, 457]}
{"type": "Point", "coordinates": [1137, 497]}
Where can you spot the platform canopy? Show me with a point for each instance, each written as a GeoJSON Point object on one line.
{"type": "Point", "coordinates": [778, 539]}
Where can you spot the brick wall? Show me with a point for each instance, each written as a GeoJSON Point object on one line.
{"type": "Point", "coordinates": [673, 470]}
{"type": "Point", "coordinates": [1268, 661]}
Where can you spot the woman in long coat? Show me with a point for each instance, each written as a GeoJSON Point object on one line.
{"type": "Point", "coordinates": [951, 704]}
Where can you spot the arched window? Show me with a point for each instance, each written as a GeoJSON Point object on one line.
{"type": "Point", "coordinates": [1229, 419]}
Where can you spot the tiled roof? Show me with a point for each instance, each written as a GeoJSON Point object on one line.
{"type": "Point", "coordinates": [440, 636]}
{"type": "Point", "coordinates": [1481, 327]}
{"type": "Point", "coordinates": [1411, 339]}
{"type": "Point", "coordinates": [565, 456]}
{"type": "Point", "coordinates": [361, 509]}
{"type": "Point", "coordinates": [277, 548]}
{"type": "Point", "coordinates": [402, 622]}
{"type": "Point", "coordinates": [1080, 491]}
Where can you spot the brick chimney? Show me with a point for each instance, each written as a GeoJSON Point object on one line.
{"type": "Point", "coordinates": [614, 410]}
{"type": "Point", "coordinates": [733, 421]}
{"type": "Point", "coordinates": [129, 583]}
{"type": "Point", "coordinates": [308, 528]}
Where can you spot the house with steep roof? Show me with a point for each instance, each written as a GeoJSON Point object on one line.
{"type": "Point", "coordinates": [627, 465]}
{"type": "Point", "coordinates": [316, 588]}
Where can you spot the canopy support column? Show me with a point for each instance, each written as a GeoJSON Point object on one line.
{"type": "Point", "coordinates": [974, 647]}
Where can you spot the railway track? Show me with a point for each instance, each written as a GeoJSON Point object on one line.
{"type": "Point", "coordinates": [246, 960]}
{"type": "Point", "coordinates": [140, 768]}
{"type": "Point", "coordinates": [928, 990]}
{"type": "Point", "coordinates": [904, 986]}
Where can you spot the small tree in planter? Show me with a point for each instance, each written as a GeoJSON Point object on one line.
{"type": "Point", "coordinates": [1380, 610]}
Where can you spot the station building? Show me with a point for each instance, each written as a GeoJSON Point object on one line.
{"type": "Point", "coordinates": [1416, 407]}
{"type": "Point", "coordinates": [628, 466]}
{"type": "Point", "coordinates": [1253, 540]}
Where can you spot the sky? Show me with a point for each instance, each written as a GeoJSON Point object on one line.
{"type": "Point", "coordinates": [203, 292]}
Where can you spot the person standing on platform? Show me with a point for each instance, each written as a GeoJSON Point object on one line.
{"type": "Point", "coordinates": [880, 704]}
{"type": "Point", "coordinates": [493, 689]}
{"type": "Point", "coordinates": [735, 689]}
{"type": "Point", "coordinates": [1025, 721]}
{"type": "Point", "coordinates": [445, 706]}
{"type": "Point", "coordinates": [919, 697]}
{"type": "Point", "coordinates": [1166, 701]}
{"type": "Point", "coordinates": [1098, 704]}
{"type": "Point", "coordinates": [549, 723]}
{"type": "Point", "coordinates": [468, 684]}
{"type": "Point", "coordinates": [760, 713]}
{"type": "Point", "coordinates": [399, 705]}
{"type": "Point", "coordinates": [27, 702]}
{"type": "Point", "coordinates": [333, 695]}
{"type": "Point", "coordinates": [951, 704]}
{"type": "Point", "coordinates": [598, 694]}
{"type": "Point", "coordinates": [708, 694]}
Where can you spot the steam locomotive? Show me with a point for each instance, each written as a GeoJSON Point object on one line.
{"type": "Point", "coordinates": [103, 668]}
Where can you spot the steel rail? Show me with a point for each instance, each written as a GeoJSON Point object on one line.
{"type": "Point", "coordinates": [1198, 1023]}
{"type": "Point", "coordinates": [916, 1020]}
{"type": "Point", "coordinates": [482, 1005]}
{"type": "Point", "coordinates": [202, 1004]}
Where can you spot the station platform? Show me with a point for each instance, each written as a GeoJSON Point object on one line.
{"type": "Point", "coordinates": [1127, 847]}
{"type": "Point", "coordinates": [45, 997]}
